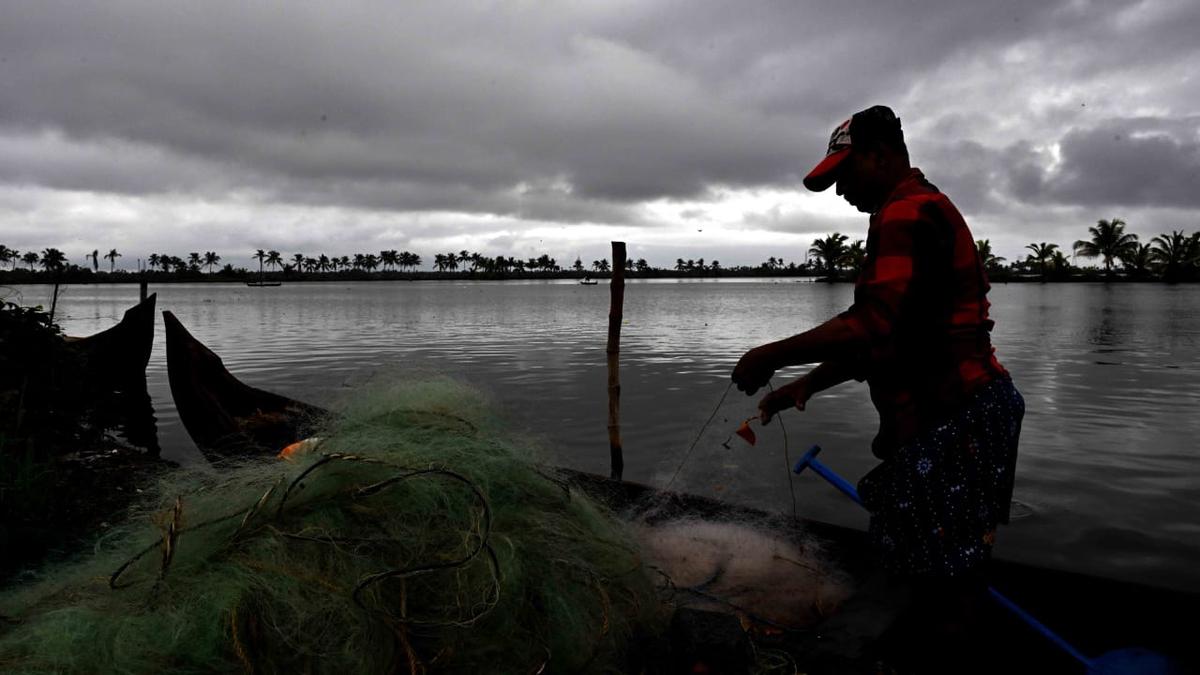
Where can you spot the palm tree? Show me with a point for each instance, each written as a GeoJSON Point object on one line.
{"type": "Point", "coordinates": [1137, 260]}
{"type": "Point", "coordinates": [1059, 265]}
{"type": "Point", "coordinates": [6, 254]}
{"type": "Point", "coordinates": [1043, 253]}
{"type": "Point", "coordinates": [323, 263]}
{"type": "Point", "coordinates": [642, 266]}
{"type": "Point", "coordinates": [153, 260]}
{"type": "Point", "coordinates": [30, 258]}
{"type": "Point", "coordinates": [991, 262]}
{"type": "Point", "coordinates": [344, 261]}
{"type": "Point", "coordinates": [211, 259]}
{"type": "Point", "coordinates": [274, 259]}
{"type": "Point", "coordinates": [111, 257]}
{"type": "Point", "coordinates": [194, 261]}
{"type": "Point", "coordinates": [1175, 254]}
{"type": "Point", "coordinates": [388, 258]}
{"type": "Point", "coordinates": [370, 262]}
{"type": "Point", "coordinates": [463, 258]}
{"type": "Point", "coordinates": [854, 257]}
{"type": "Point", "coordinates": [53, 259]}
{"type": "Point", "coordinates": [830, 252]}
{"type": "Point", "coordinates": [298, 260]}
{"type": "Point", "coordinates": [1109, 241]}
{"type": "Point", "coordinates": [600, 265]}
{"type": "Point", "coordinates": [95, 256]}
{"type": "Point", "coordinates": [260, 255]}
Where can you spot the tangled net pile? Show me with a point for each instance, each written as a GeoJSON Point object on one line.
{"type": "Point", "coordinates": [418, 536]}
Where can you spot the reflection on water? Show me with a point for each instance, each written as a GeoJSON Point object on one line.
{"type": "Point", "coordinates": [1107, 467]}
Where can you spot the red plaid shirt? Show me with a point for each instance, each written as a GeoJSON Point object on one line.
{"type": "Point", "coordinates": [920, 306]}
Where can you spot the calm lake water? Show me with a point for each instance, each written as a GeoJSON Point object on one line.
{"type": "Point", "coordinates": [1108, 478]}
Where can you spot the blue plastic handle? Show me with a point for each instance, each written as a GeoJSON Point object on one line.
{"type": "Point", "coordinates": [810, 460]}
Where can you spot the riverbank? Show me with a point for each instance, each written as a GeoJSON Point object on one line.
{"type": "Point", "coordinates": [83, 276]}
{"type": "Point", "coordinates": [68, 461]}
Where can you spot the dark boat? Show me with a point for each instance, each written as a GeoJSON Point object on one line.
{"type": "Point", "coordinates": [263, 284]}
{"type": "Point", "coordinates": [1096, 615]}
{"type": "Point", "coordinates": [222, 415]}
{"type": "Point", "coordinates": [123, 350]}
{"type": "Point", "coordinates": [114, 362]}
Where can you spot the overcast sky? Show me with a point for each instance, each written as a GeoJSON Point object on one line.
{"type": "Point", "coordinates": [518, 129]}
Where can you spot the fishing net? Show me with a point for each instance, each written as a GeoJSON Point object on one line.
{"type": "Point", "coordinates": [418, 535]}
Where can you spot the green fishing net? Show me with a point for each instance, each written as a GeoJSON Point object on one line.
{"type": "Point", "coordinates": [417, 536]}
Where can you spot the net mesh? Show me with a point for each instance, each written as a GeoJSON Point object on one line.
{"type": "Point", "coordinates": [417, 535]}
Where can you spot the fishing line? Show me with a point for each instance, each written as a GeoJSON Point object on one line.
{"type": "Point", "coordinates": [787, 458]}
{"type": "Point", "coordinates": [687, 455]}
{"type": "Point", "coordinates": [786, 451]}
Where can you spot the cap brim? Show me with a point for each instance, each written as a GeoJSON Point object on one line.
{"type": "Point", "coordinates": [825, 173]}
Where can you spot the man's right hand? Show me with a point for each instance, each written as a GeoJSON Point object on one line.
{"type": "Point", "coordinates": [791, 395]}
{"type": "Point", "coordinates": [754, 369]}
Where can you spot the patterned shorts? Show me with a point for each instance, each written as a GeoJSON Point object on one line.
{"type": "Point", "coordinates": [936, 502]}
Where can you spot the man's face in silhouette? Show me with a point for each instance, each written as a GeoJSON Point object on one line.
{"type": "Point", "coordinates": [861, 179]}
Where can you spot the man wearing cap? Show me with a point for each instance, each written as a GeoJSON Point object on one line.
{"type": "Point", "coordinates": [918, 333]}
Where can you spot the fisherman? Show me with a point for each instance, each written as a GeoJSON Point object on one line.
{"type": "Point", "coordinates": [918, 333]}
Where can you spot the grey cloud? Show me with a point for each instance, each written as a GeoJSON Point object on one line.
{"type": "Point", "coordinates": [778, 219]}
{"type": "Point", "coordinates": [403, 96]}
{"type": "Point", "coordinates": [1145, 162]}
{"type": "Point", "coordinates": [579, 113]}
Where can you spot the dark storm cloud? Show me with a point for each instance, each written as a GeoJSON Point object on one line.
{"type": "Point", "coordinates": [389, 94]}
{"type": "Point", "coordinates": [1144, 162]}
{"type": "Point", "coordinates": [582, 113]}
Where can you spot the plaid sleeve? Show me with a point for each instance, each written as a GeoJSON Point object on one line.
{"type": "Point", "coordinates": [886, 275]}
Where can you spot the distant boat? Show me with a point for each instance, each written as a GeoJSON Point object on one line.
{"type": "Point", "coordinates": [260, 284]}
{"type": "Point", "coordinates": [587, 281]}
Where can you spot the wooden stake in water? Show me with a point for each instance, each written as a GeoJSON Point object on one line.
{"type": "Point", "coordinates": [54, 302]}
{"type": "Point", "coordinates": [615, 311]}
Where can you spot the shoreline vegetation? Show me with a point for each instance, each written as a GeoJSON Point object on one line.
{"type": "Point", "coordinates": [1116, 255]}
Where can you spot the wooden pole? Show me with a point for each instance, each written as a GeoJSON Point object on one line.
{"type": "Point", "coordinates": [54, 302]}
{"type": "Point", "coordinates": [615, 311]}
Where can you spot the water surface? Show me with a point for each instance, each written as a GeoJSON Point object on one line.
{"type": "Point", "coordinates": [1108, 480]}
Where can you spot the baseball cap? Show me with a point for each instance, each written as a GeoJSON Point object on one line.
{"type": "Point", "coordinates": [877, 123]}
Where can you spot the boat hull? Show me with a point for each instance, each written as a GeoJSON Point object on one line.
{"type": "Point", "coordinates": [221, 414]}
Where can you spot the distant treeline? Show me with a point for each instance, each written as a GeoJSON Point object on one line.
{"type": "Point", "coordinates": [1170, 257]}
